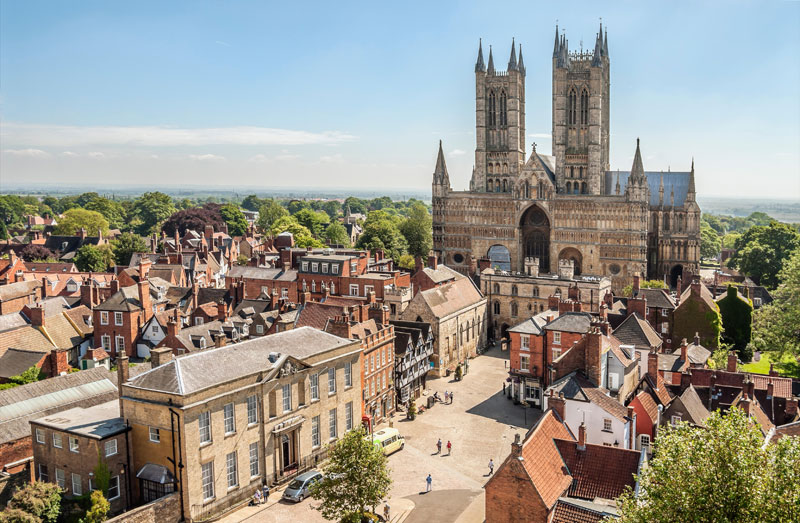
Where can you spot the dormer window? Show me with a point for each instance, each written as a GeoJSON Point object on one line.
{"type": "Point", "coordinates": [334, 268]}
{"type": "Point", "coordinates": [304, 266]}
{"type": "Point", "coordinates": [324, 268]}
{"type": "Point", "coordinates": [315, 267]}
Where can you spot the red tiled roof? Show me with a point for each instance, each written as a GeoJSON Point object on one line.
{"type": "Point", "coordinates": [316, 315]}
{"type": "Point", "coordinates": [782, 387]}
{"type": "Point", "coordinates": [649, 405]}
{"type": "Point", "coordinates": [660, 389]}
{"type": "Point", "coordinates": [542, 461]}
{"type": "Point", "coordinates": [790, 429]}
{"type": "Point", "coordinates": [569, 513]}
{"type": "Point", "coordinates": [97, 354]}
{"type": "Point", "coordinates": [598, 471]}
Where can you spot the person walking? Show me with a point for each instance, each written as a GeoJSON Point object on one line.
{"type": "Point", "coordinates": [439, 446]}
{"type": "Point", "coordinates": [491, 467]}
{"type": "Point", "coordinates": [265, 492]}
{"type": "Point", "coordinates": [451, 397]}
{"type": "Point", "coordinates": [257, 497]}
{"type": "Point", "coordinates": [386, 516]}
{"type": "Point", "coordinates": [446, 396]}
{"type": "Point", "coordinates": [449, 447]}
{"type": "Point", "coordinates": [429, 482]}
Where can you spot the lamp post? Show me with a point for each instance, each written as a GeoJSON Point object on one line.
{"type": "Point", "coordinates": [525, 410]}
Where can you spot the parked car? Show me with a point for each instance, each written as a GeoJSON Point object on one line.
{"type": "Point", "coordinates": [388, 440]}
{"type": "Point", "coordinates": [299, 488]}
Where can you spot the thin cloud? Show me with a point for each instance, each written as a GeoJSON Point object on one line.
{"type": "Point", "coordinates": [457, 152]}
{"type": "Point", "coordinates": [259, 158]}
{"type": "Point", "coordinates": [539, 135]}
{"type": "Point", "coordinates": [154, 136]}
{"type": "Point", "coordinates": [334, 158]}
{"type": "Point", "coordinates": [206, 157]}
{"type": "Point", "coordinates": [69, 154]}
{"type": "Point", "coordinates": [96, 155]}
{"type": "Point", "coordinates": [220, 42]}
{"type": "Point", "coordinates": [29, 153]}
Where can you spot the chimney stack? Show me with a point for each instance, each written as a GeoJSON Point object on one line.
{"type": "Point", "coordinates": [684, 350]}
{"type": "Point", "coordinates": [418, 264]}
{"type": "Point", "coordinates": [36, 315]}
{"type": "Point", "coordinates": [652, 365]}
{"type": "Point", "coordinates": [222, 310]}
{"type": "Point", "coordinates": [220, 340]}
{"type": "Point", "coordinates": [791, 407]}
{"type": "Point", "coordinates": [159, 356]}
{"type": "Point", "coordinates": [582, 436]}
{"type": "Point", "coordinates": [144, 298]}
{"type": "Point", "coordinates": [770, 389]}
{"type": "Point", "coordinates": [516, 447]}
{"type": "Point", "coordinates": [636, 284]}
{"type": "Point", "coordinates": [122, 377]}
{"type": "Point", "coordinates": [45, 287]}
{"type": "Point", "coordinates": [433, 262]}
{"type": "Point", "coordinates": [697, 339]}
{"type": "Point", "coordinates": [745, 404]}
{"type": "Point", "coordinates": [173, 327]}
{"type": "Point", "coordinates": [114, 286]}
{"type": "Point", "coordinates": [557, 403]}
{"type": "Point", "coordinates": [731, 362]}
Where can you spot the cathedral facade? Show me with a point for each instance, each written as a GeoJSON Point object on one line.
{"type": "Point", "coordinates": [568, 207]}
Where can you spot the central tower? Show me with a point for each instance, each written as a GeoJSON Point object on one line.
{"type": "Point", "coordinates": [581, 86]}
{"type": "Point", "coordinates": [499, 123]}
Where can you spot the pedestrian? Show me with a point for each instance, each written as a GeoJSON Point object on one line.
{"type": "Point", "coordinates": [446, 396]}
{"type": "Point", "coordinates": [451, 397]}
{"type": "Point", "coordinates": [439, 446]}
{"type": "Point", "coordinates": [429, 482]}
{"type": "Point", "coordinates": [265, 490]}
{"type": "Point", "coordinates": [504, 388]}
{"type": "Point", "coordinates": [257, 498]}
{"type": "Point", "coordinates": [491, 467]}
{"type": "Point", "coordinates": [386, 516]}
{"type": "Point", "coordinates": [449, 447]}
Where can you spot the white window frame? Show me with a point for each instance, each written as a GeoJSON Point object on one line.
{"type": "Point", "coordinates": [119, 320]}
{"type": "Point", "coordinates": [304, 266]}
{"type": "Point", "coordinates": [229, 415]}
{"type": "Point", "coordinates": [607, 427]}
{"type": "Point", "coordinates": [232, 470]}
{"type": "Point", "coordinates": [286, 395]}
{"type": "Point", "coordinates": [525, 342]}
{"type": "Point", "coordinates": [368, 289]}
{"type": "Point", "coordinates": [332, 424]}
{"type": "Point", "coordinates": [252, 409]}
{"type": "Point", "coordinates": [285, 293]}
{"type": "Point", "coordinates": [60, 478]}
{"type": "Point", "coordinates": [207, 480]}
{"type": "Point", "coordinates": [40, 436]}
{"type": "Point", "coordinates": [155, 435]}
{"type": "Point", "coordinates": [334, 268]}
{"type": "Point", "coordinates": [556, 353]}
{"type": "Point", "coordinates": [254, 468]}
{"type": "Point", "coordinates": [113, 485]}
{"type": "Point", "coordinates": [324, 268]}
{"type": "Point", "coordinates": [332, 380]}
{"type": "Point", "coordinates": [103, 317]}
{"type": "Point", "coordinates": [105, 341]}
{"type": "Point", "coordinates": [43, 476]}
{"type": "Point", "coordinates": [315, 439]}
{"type": "Point", "coordinates": [556, 338]}
{"type": "Point", "coordinates": [259, 329]}
{"type": "Point", "coordinates": [314, 386]}
{"type": "Point", "coordinates": [57, 440]}
{"type": "Point", "coordinates": [675, 419]}
{"type": "Point", "coordinates": [642, 443]}
{"type": "Point", "coordinates": [348, 374]}
{"type": "Point", "coordinates": [204, 427]}
{"type": "Point", "coordinates": [77, 487]}
{"type": "Point", "coordinates": [74, 446]}
{"type": "Point", "coordinates": [119, 343]}
{"type": "Point", "coordinates": [353, 289]}
{"type": "Point", "coordinates": [524, 363]}
{"type": "Point", "coordinates": [348, 416]}
{"type": "Point", "coordinates": [108, 447]}
{"type": "Point", "coordinates": [314, 267]}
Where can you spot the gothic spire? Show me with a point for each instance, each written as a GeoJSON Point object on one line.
{"type": "Point", "coordinates": [479, 65]}
{"type": "Point", "coordinates": [691, 191]}
{"type": "Point", "coordinates": [597, 59]}
{"type": "Point", "coordinates": [512, 61]}
{"type": "Point", "coordinates": [440, 175]}
{"type": "Point", "coordinates": [556, 47]}
{"type": "Point", "coordinates": [617, 187]}
{"type": "Point", "coordinates": [491, 61]}
{"type": "Point", "coordinates": [605, 42]}
{"type": "Point", "coordinates": [661, 190]}
{"type": "Point", "coordinates": [637, 170]}
{"type": "Point", "coordinates": [521, 65]}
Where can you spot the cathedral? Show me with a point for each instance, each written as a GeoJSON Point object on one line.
{"type": "Point", "coordinates": [568, 208]}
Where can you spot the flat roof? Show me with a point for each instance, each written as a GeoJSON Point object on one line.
{"type": "Point", "coordinates": [98, 422]}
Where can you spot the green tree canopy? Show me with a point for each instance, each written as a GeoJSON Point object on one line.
{"type": "Point", "coordinates": [233, 216]}
{"type": "Point", "coordinates": [332, 208]}
{"type": "Point", "coordinates": [776, 327]}
{"type": "Point", "coordinates": [91, 258]}
{"type": "Point", "coordinates": [761, 251]}
{"type": "Point", "coordinates": [270, 212]}
{"type": "Point", "coordinates": [356, 479]}
{"type": "Point", "coordinates": [11, 209]}
{"type": "Point", "coordinates": [723, 473]}
{"type": "Point", "coordinates": [314, 221]}
{"type": "Point", "coordinates": [381, 231]}
{"type": "Point", "coordinates": [710, 241]}
{"type": "Point", "coordinates": [253, 202]}
{"type": "Point", "coordinates": [302, 236]}
{"type": "Point", "coordinates": [111, 211]}
{"type": "Point", "coordinates": [357, 205]}
{"type": "Point", "coordinates": [35, 252]}
{"type": "Point", "coordinates": [99, 509]}
{"type": "Point", "coordinates": [737, 320]}
{"type": "Point", "coordinates": [151, 209]}
{"type": "Point", "coordinates": [336, 234]}
{"type": "Point", "coordinates": [125, 245]}
{"type": "Point", "coordinates": [417, 229]}
{"type": "Point", "coordinates": [40, 499]}
{"type": "Point", "coordinates": [76, 219]}
{"type": "Point", "coordinates": [296, 206]}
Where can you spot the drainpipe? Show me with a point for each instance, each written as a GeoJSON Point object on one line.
{"type": "Point", "coordinates": [128, 459]}
{"type": "Point", "coordinates": [177, 466]}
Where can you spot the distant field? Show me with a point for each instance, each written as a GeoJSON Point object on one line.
{"type": "Point", "coordinates": [782, 210]}
{"type": "Point", "coordinates": [788, 366]}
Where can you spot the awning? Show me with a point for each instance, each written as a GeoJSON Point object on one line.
{"type": "Point", "coordinates": [156, 473]}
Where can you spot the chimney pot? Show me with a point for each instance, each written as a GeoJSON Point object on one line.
{"type": "Point", "coordinates": [731, 362]}
{"type": "Point", "coordinates": [582, 436]}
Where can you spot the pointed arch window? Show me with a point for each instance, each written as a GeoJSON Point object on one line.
{"type": "Point", "coordinates": [583, 188]}
{"type": "Point", "coordinates": [490, 186]}
{"type": "Point", "coordinates": [492, 109]}
{"type": "Point", "coordinates": [497, 307]}
{"type": "Point", "coordinates": [496, 288]}
{"type": "Point", "coordinates": [666, 222]}
{"type": "Point", "coordinates": [514, 309]}
{"type": "Point", "coordinates": [505, 186]}
{"type": "Point", "coordinates": [503, 109]}
{"type": "Point", "coordinates": [490, 168]}
{"type": "Point", "coordinates": [584, 107]}
{"type": "Point", "coordinates": [571, 107]}
{"type": "Point", "coordinates": [575, 188]}
{"type": "Point", "coordinates": [497, 186]}
{"type": "Point", "coordinates": [569, 187]}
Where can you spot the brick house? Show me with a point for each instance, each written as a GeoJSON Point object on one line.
{"type": "Point", "coordinates": [119, 319]}
{"type": "Point", "coordinates": [435, 275]}
{"type": "Point", "coordinates": [12, 269]}
{"type": "Point", "coordinates": [656, 306]}
{"type": "Point", "coordinates": [15, 296]}
{"type": "Point", "coordinates": [697, 313]}
{"type": "Point", "coordinates": [527, 361]}
{"type": "Point", "coordinates": [260, 280]}
{"type": "Point", "coordinates": [346, 275]}
{"type": "Point", "coordinates": [68, 444]}
{"type": "Point", "coordinates": [551, 476]}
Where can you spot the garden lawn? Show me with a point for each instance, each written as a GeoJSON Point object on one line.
{"type": "Point", "coordinates": [787, 367]}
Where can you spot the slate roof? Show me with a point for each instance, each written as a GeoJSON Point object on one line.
{"type": "Point", "coordinates": [15, 361]}
{"type": "Point", "coordinates": [190, 336]}
{"type": "Point", "coordinates": [451, 297]}
{"type": "Point", "coordinates": [441, 273]}
{"type": "Point", "coordinates": [671, 362]}
{"type": "Point", "coordinates": [577, 322]}
{"type": "Point", "coordinates": [532, 325]}
{"type": "Point", "coordinates": [195, 372]}
{"type": "Point", "coordinates": [258, 306]}
{"type": "Point", "coordinates": [705, 295]}
{"type": "Point", "coordinates": [124, 300]}
{"type": "Point", "coordinates": [18, 290]}
{"type": "Point", "coordinates": [67, 244]}
{"type": "Point", "coordinates": [697, 354]}
{"type": "Point", "coordinates": [316, 315]}
{"type": "Point", "coordinates": [637, 332]}
{"type": "Point", "coordinates": [96, 422]}
{"type": "Point", "coordinates": [658, 298]}
{"type": "Point", "coordinates": [411, 326]}
{"type": "Point", "coordinates": [598, 471]}
{"type": "Point", "coordinates": [80, 317]}
{"type": "Point", "coordinates": [576, 387]}
{"type": "Point", "coordinates": [261, 273]}
{"type": "Point", "coordinates": [673, 180]}
{"type": "Point", "coordinates": [694, 406]}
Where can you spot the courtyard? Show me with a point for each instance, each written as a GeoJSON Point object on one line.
{"type": "Point", "coordinates": [480, 424]}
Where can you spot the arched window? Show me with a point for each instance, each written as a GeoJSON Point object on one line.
{"type": "Point", "coordinates": [584, 107]}
{"type": "Point", "coordinates": [575, 188]}
{"type": "Point", "coordinates": [514, 309]}
{"type": "Point", "coordinates": [536, 292]}
{"type": "Point", "coordinates": [489, 169]}
{"type": "Point", "coordinates": [505, 186]}
{"type": "Point", "coordinates": [571, 103]}
{"type": "Point", "coordinates": [490, 186]}
{"type": "Point", "coordinates": [505, 168]}
{"type": "Point", "coordinates": [492, 110]}
{"type": "Point", "coordinates": [583, 188]}
{"type": "Point", "coordinates": [496, 288]}
{"type": "Point", "coordinates": [497, 185]}
{"type": "Point", "coordinates": [569, 187]}
{"type": "Point", "coordinates": [572, 172]}
{"type": "Point", "coordinates": [503, 109]}
{"type": "Point", "coordinates": [580, 172]}
{"type": "Point", "coordinates": [540, 190]}
{"type": "Point", "coordinates": [514, 290]}
{"type": "Point", "coordinates": [497, 307]}
{"type": "Point", "coordinates": [666, 222]}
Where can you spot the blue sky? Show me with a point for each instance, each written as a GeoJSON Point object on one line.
{"type": "Point", "coordinates": [343, 94]}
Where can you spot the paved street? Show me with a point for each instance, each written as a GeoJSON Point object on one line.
{"type": "Point", "coordinates": [480, 424]}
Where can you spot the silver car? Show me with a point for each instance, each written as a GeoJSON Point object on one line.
{"type": "Point", "coordinates": [299, 488]}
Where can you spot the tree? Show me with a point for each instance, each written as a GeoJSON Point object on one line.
{"type": "Point", "coordinates": [232, 215]}
{"type": "Point", "coordinates": [645, 284]}
{"type": "Point", "coordinates": [296, 206]}
{"type": "Point", "coordinates": [723, 473]}
{"type": "Point", "coordinates": [332, 207]}
{"type": "Point", "coordinates": [31, 375]}
{"type": "Point", "coordinates": [76, 219]}
{"type": "Point", "coordinates": [125, 245]}
{"type": "Point", "coordinates": [11, 209]}
{"type": "Point", "coordinates": [111, 211]}
{"type": "Point", "coordinates": [314, 221]}
{"type": "Point", "coordinates": [92, 258]}
{"type": "Point", "coordinates": [357, 205]}
{"type": "Point", "coordinates": [406, 261]}
{"type": "Point", "coordinates": [761, 251]}
{"type": "Point", "coordinates": [151, 209]}
{"type": "Point", "coordinates": [270, 212]}
{"type": "Point", "coordinates": [32, 252]}
{"type": "Point", "coordinates": [253, 203]}
{"type": "Point", "coordinates": [719, 358]}
{"type": "Point", "coordinates": [356, 478]}
{"type": "Point", "coordinates": [39, 499]}
{"type": "Point", "coordinates": [3, 231]}
{"type": "Point", "coordinates": [710, 242]}
{"type": "Point", "coordinates": [336, 234]}
{"type": "Point", "coordinates": [776, 326]}
{"type": "Point", "coordinates": [417, 230]}
{"type": "Point", "coordinates": [194, 219]}
{"type": "Point", "coordinates": [737, 321]}
{"type": "Point", "coordinates": [98, 511]}
{"type": "Point", "coordinates": [381, 232]}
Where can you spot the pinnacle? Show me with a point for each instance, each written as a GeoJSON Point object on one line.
{"type": "Point", "coordinates": [512, 61]}
{"type": "Point", "coordinates": [491, 61]}
{"type": "Point", "coordinates": [479, 65]}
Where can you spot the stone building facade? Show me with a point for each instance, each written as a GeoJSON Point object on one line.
{"type": "Point", "coordinates": [569, 206]}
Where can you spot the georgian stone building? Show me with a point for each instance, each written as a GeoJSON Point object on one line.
{"type": "Point", "coordinates": [569, 206]}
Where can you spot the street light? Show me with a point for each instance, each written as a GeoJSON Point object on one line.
{"type": "Point", "coordinates": [525, 411]}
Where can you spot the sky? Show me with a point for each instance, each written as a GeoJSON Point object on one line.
{"type": "Point", "coordinates": [340, 94]}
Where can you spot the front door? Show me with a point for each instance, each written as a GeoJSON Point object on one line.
{"type": "Point", "coordinates": [286, 451]}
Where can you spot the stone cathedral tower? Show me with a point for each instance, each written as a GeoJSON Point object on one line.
{"type": "Point", "coordinates": [499, 122]}
{"type": "Point", "coordinates": [581, 94]}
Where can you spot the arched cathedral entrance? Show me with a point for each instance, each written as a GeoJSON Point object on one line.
{"type": "Point", "coordinates": [535, 236]}
{"type": "Point", "coordinates": [571, 253]}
